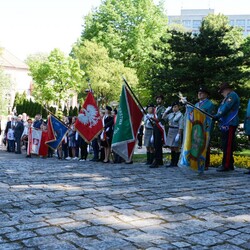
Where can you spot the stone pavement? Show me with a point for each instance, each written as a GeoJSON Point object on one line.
{"type": "Point", "coordinates": [55, 204]}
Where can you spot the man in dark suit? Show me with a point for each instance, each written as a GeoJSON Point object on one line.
{"type": "Point", "coordinates": [18, 131]}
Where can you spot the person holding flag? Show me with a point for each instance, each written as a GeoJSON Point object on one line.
{"type": "Point", "coordinates": [158, 132]}
{"type": "Point", "coordinates": [247, 126]}
{"type": "Point", "coordinates": [196, 136]}
{"type": "Point", "coordinates": [207, 105]}
{"type": "Point", "coordinates": [228, 118]}
{"type": "Point", "coordinates": [106, 137]}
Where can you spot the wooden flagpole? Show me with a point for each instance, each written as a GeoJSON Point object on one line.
{"type": "Point", "coordinates": [137, 100]}
{"type": "Point", "coordinates": [144, 111]}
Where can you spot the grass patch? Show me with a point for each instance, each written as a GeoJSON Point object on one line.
{"type": "Point", "coordinates": [143, 157]}
{"type": "Point", "coordinates": [245, 152]}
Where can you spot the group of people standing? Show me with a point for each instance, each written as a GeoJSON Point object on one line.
{"type": "Point", "coordinates": [13, 133]}
{"type": "Point", "coordinates": [155, 136]}
{"type": "Point", "coordinates": [73, 146]}
{"type": "Point", "coordinates": [159, 116]}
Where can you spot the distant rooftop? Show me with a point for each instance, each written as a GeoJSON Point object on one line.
{"type": "Point", "coordinates": [8, 60]}
{"type": "Point", "coordinates": [197, 11]}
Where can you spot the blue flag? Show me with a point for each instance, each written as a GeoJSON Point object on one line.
{"type": "Point", "coordinates": [56, 132]}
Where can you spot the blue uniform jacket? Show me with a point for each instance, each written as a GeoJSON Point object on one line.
{"type": "Point", "coordinates": [247, 120]}
{"type": "Point", "coordinates": [206, 105]}
{"type": "Point", "coordinates": [228, 110]}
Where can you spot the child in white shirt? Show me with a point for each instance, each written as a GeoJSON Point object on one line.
{"type": "Point", "coordinates": [11, 139]}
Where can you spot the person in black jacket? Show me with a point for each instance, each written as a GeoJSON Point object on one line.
{"type": "Point", "coordinates": [140, 136]}
{"type": "Point", "coordinates": [107, 133]}
{"type": "Point", "coordinates": [18, 131]}
{"type": "Point", "coordinates": [83, 145]}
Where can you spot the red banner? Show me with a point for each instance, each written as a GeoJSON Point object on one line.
{"type": "Point", "coordinates": [89, 122]}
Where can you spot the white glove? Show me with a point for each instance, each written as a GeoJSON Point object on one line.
{"type": "Point", "coordinates": [177, 138]}
{"type": "Point", "coordinates": [168, 109]}
{"type": "Point", "coordinates": [152, 139]}
{"type": "Point", "coordinates": [183, 99]}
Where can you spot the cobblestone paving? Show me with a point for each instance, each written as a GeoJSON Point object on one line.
{"type": "Point", "coordinates": [53, 204]}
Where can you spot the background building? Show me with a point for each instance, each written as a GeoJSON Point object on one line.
{"type": "Point", "coordinates": [191, 19]}
{"type": "Point", "coordinates": [18, 72]}
{"type": "Point", "coordinates": [21, 81]}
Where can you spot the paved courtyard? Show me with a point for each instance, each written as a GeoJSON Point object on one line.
{"type": "Point", "coordinates": [53, 204]}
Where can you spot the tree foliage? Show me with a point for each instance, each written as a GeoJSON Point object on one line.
{"type": "Point", "coordinates": [105, 73]}
{"type": "Point", "coordinates": [5, 88]}
{"type": "Point", "coordinates": [245, 48]}
{"type": "Point", "coordinates": [128, 29]}
{"type": "Point", "coordinates": [183, 61]}
{"type": "Point", "coordinates": [56, 77]}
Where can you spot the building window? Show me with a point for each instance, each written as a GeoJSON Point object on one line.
{"type": "Point", "coordinates": [248, 23]}
{"type": "Point", "coordinates": [174, 21]}
{"type": "Point", "coordinates": [186, 23]}
{"type": "Point", "coordinates": [196, 23]}
{"type": "Point", "coordinates": [177, 21]}
{"type": "Point", "coordinates": [231, 22]}
{"type": "Point", "coordinates": [240, 23]}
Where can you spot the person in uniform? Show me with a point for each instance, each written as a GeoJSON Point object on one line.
{"type": "Point", "coordinates": [207, 105]}
{"type": "Point", "coordinates": [148, 137]}
{"type": "Point", "coordinates": [228, 118]}
{"type": "Point", "coordinates": [158, 132]}
{"type": "Point", "coordinates": [175, 128]}
{"type": "Point", "coordinates": [247, 125]}
{"type": "Point", "coordinates": [247, 121]}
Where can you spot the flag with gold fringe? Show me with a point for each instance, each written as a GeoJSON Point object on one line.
{"type": "Point", "coordinates": [56, 131]}
{"type": "Point", "coordinates": [195, 139]}
{"type": "Point", "coordinates": [89, 122]}
{"type": "Point", "coordinates": [127, 124]}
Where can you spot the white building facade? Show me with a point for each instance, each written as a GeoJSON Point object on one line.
{"type": "Point", "coordinates": [21, 81]}
{"type": "Point", "coordinates": [191, 19]}
{"type": "Point", "coordinates": [18, 72]}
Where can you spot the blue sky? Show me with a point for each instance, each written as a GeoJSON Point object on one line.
{"type": "Point", "coordinates": [31, 26]}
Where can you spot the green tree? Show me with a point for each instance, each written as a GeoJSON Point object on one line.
{"type": "Point", "coordinates": [105, 73]}
{"type": "Point", "coordinates": [71, 111]}
{"type": "Point", "coordinates": [65, 111]}
{"type": "Point", "coordinates": [5, 85]}
{"type": "Point", "coordinates": [128, 29]}
{"type": "Point", "coordinates": [208, 58]}
{"type": "Point", "coordinates": [219, 52]}
{"type": "Point", "coordinates": [56, 77]}
{"type": "Point", "coordinates": [245, 91]}
{"type": "Point", "coordinates": [75, 111]}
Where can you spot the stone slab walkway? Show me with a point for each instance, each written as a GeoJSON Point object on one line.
{"type": "Point", "coordinates": [53, 204]}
